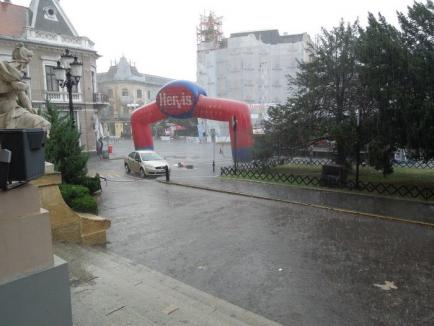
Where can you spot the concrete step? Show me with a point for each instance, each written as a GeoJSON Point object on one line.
{"type": "Point", "coordinates": [111, 290]}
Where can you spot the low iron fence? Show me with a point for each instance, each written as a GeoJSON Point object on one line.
{"type": "Point", "coordinates": [263, 171]}
{"type": "Point", "coordinates": [322, 161]}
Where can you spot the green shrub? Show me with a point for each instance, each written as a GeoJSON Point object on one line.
{"type": "Point", "coordinates": [85, 204]}
{"type": "Point", "coordinates": [70, 192]}
{"type": "Point", "coordinates": [92, 183]}
{"type": "Point", "coordinates": [78, 198]}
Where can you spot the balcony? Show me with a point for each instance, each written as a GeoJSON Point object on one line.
{"type": "Point", "coordinates": [100, 98]}
{"type": "Point", "coordinates": [60, 97]}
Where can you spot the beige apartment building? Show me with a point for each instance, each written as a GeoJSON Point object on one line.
{"type": "Point", "coordinates": [126, 89]}
{"type": "Point", "coordinates": [45, 29]}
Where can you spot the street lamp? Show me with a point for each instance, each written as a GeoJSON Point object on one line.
{"type": "Point", "coordinates": [68, 73]}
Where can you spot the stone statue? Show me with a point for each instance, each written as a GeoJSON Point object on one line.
{"type": "Point", "coordinates": [15, 107]}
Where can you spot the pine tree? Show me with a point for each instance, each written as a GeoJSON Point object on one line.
{"type": "Point", "coordinates": [418, 38]}
{"type": "Point", "coordinates": [63, 149]}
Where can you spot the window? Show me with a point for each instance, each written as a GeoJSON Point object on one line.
{"type": "Point", "coordinates": [50, 13]}
{"type": "Point", "coordinates": [124, 92]}
{"type": "Point", "coordinates": [50, 76]}
{"type": "Point", "coordinates": [139, 93]}
{"type": "Point", "coordinates": [92, 74]}
{"type": "Point", "coordinates": [149, 95]}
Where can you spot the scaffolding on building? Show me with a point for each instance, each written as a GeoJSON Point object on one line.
{"type": "Point", "coordinates": [210, 29]}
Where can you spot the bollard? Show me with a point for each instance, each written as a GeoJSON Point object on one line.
{"type": "Point", "coordinates": [213, 166]}
{"type": "Point", "coordinates": [166, 170]}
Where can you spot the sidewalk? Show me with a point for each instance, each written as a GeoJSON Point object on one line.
{"type": "Point", "coordinates": [110, 290]}
{"type": "Point", "coordinates": [397, 209]}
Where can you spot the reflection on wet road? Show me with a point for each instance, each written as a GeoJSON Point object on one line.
{"type": "Point", "coordinates": [293, 264]}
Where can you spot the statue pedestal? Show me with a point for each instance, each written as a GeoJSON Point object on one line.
{"type": "Point", "coordinates": [25, 233]}
{"type": "Point", "coordinates": [34, 285]}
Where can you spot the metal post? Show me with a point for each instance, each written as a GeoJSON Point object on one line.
{"type": "Point", "coordinates": [69, 83]}
{"type": "Point", "coordinates": [358, 149]}
{"type": "Point", "coordinates": [167, 172]}
{"type": "Point", "coordinates": [357, 159]}
{"type": "Point", "coordinates": [213, 149]}
{"type": "Point", "coordinates": [234, 128]}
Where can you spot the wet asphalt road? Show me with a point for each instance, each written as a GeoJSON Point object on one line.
{"type": "Point", "coordinates": [295, 265]}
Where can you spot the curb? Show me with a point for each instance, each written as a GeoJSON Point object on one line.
{"type": "Point", "coordinates": [335, 209]}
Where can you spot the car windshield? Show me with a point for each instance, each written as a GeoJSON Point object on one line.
{"type": "Point", "coordinates": [150, 157]}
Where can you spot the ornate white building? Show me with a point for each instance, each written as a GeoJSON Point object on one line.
{"type": "Point", "coordinates": [44, 28]}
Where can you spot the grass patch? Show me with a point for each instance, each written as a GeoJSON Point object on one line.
{"type": "Point", "coordinates": [400, 176]}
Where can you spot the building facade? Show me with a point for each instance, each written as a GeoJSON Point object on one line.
{"type": "Point", "coordinates": [252, 67]}
{"type": "Point", "coordinates": [45, 29]}
{"type": "Point", "coordinates": [126, 89]}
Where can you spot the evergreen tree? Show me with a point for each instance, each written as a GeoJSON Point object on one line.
{"type": "Point", "coordinates": [382, 72]}
{"type": "Point", "coordinates": [418, 39]}
{"type": "Point", "coordinates": [63, 149]}
{"type": "Point", "coordinates": [326, 94]}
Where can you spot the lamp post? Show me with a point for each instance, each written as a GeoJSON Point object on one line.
{"type": "Point", "coordinates": [357, 147]}
{"type": "Point", "coordinates": [68, 73]}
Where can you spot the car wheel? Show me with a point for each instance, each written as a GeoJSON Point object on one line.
{"type": "Point", "coordinates": [142, 173]}
{"type": "Point", "coordinates": [127, 168]}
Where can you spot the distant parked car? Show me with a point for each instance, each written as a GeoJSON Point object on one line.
{"type": "Point", "coordinates": [145, 163]}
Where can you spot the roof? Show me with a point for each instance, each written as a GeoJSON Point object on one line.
{"type": "Point", "coordinates": [271, 36]}
{"type": "Point", "coordinates": [13, 19]}
{"type": "Point", "coordinates": [47, 15]}
{"type": "Point", "coordinates": [42, 15]}
{"type": "Point", "coordinates": [123, 71]}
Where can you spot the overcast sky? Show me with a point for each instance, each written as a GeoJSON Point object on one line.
{"type": "Point", "coordinates": [160, 35]}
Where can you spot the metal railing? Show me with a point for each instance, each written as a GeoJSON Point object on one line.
{"type": "Point", "coordinates": [100, 98]}
{"type": "Point", "coordinates": [264, 171]}
{"type": "Point", "coordinates": [60, 97]}
{"type": "Point", "coordinates": [321, 161]}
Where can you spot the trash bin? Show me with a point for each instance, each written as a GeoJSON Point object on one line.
{"type": "Point", "coordinates": [110, 148]}
{"type": "Point", "coordinates": [27, 152]}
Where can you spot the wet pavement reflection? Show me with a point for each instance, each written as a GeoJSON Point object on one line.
{"type": "Point", "coordinates": [295, 265]}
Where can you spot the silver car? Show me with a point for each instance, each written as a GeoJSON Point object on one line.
{"type": "Point", "coordinates": [145, 163]}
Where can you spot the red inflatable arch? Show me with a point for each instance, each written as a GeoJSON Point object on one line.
{"type": "Point", "coordinates": [182, 99]}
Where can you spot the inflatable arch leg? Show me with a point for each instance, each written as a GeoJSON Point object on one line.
{"type": "Point", "coordinates": [141, 120]}
{"type": "Point", "coordinates": [226, 110]}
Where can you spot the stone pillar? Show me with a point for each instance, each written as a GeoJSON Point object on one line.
{"type": "Point", "coordinates": [34, 285]}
